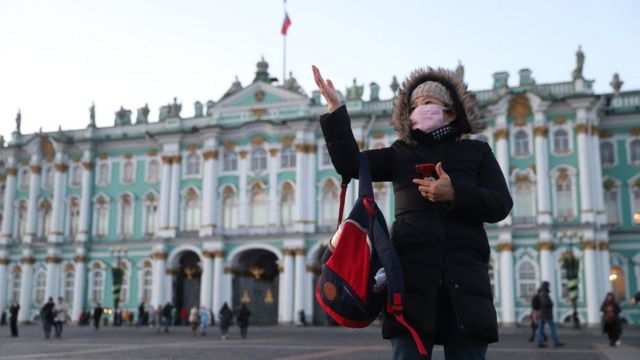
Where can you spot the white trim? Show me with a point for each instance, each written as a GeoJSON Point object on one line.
{"type": "Point", "coordinates": [119, 229]}
{"type": "Point", "coordinates": [109, 165]}
{"type": "Point", "coordinates": [172, 259]}
{"type": "Point", "coordinates": [43, 178]}
{"type": "Point", "coordinates": [322, 145]}
{"type": "Point", "coordinates": [133, 161]}
{"type": "Point", "coordinates": [145, 202]}
{"type": "Point", "coordinates": [628, 142]}
{"type": "Point", "coordinates": [147, 172]}
{"type": "Point", "coordinates": [618, 185]}
{"type": "Point", "coordinates": [632, 209]}
{"type": "Point", "coordinates": [141, 270]}
{"type": "Point", "coordinates": [224, 171]}
{"type": "Point", "coordinates": [24, 177]}
{"type": "Point", "coordinates": [71, 169]}
{"type": "Point", "coordinates": [573, 174]}
{"type": "Point", "coordinates": [568, 126]}
{"type": "Point", "coordinates": [232, 256]}
{"type": "Point", "coordinates": [183, 207]}
{"type": "Point", "coordinates": [185, 165]}
{"type": "Point", "coordinates": [528, 172]}
{"type": "Point", "coordinates": [67, 216]}
{"type": "Point", "coordinates": [536, 269]}
{"type": "Point", "coordinates": [94, 222]}
{"type": "Point", "coordinates": [37, 272]}
{"type": "Point", "coordinates": [512, 141]}
{"type": "Point", "coordinates": [91, 274]}
{"type": "Point", "coordinates": [615, 154]}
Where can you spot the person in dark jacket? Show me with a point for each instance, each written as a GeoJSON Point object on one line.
{"type": "Point", "coordinates": [97, 314]}
{"type": "Point", "coordinates": [546, 317]}
{"type": "Point", "coordinates": [438, 231]}
{"type": "Point", "coordinates": [225, 315]}
{"type": "Point", "coordinates": [47, 315]}
{"type": "Point", "coordinates": [243, 319]}
{"type": "Point", "coordinates": [611, 324]}
{"type": "Point", "coordinates": [13, 318]}
{"type": "Point", "coordinates": [167, 312]}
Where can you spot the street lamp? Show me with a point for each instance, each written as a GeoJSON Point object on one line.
{"type": "Point", "coordinates": [117, 274]}
{"type": "Point", "coordinates": [571, 265]}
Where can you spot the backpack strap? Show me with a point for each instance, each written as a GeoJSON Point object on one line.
{"type": "Point", "coordinates": [343, 193]}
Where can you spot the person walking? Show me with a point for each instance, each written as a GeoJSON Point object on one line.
{"type": "Point", "coordinates": [142, 315]}
{"type": "Point", "coordinates": [194, 320]}
{"type": "Point", "coordinates": [97, 315]}
{"type": "Point", "coordinates": [184, 316]}
{"type": "Point", "coordinates": [166, 316]}
{"type": "Point", "coordinates": [157, 319]}
{"type": "Point", "coordinates": [225, 315]}
{"type": "Point", "coordinates": [205, 318]}
{"type": "Point", "coordinates": [438, 232]}
{"type": "Point", "coordinates": [611, 323]}
{"type": "Point", "coordinates": [62, 312]}
{"type": "Point", "coordinates": [47, 315]}
{"type": "Point", "coordinates": [13, 318]}
{"type": "Point", "coordinates": [546, 317]}
{"type": "Point", "coordinates": [243, 320]}
{"type": "Point", "coordinates": [534, 316]}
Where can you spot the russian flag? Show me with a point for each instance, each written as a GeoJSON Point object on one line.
{"type": "Point", "coordinates": [285, 24]}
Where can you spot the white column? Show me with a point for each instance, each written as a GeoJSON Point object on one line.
{"type": "Point", "coordinates": [274, 166]}
{"type": "Point", "coordinates": [299, 295]}
{"type": "Point", "coordinates": [310, 193]}
{"type": "Point", "coordinates": [53, 260]}
{"type": "Point", "coordinates": [227, 286]}
{"type": "Point", "coordinates": [288, 290]}
{"type": "Point", "coordinates": [206, 280]}
{"type": "Point", "coordinates": [4, 276]}
{"type": "Point", "coordinates": [26, 282]}
{"type": "Point", "coordinates": [169, 278]}
{"type": "Point", "coordinates": [507, 290]}
{"type": "Point", "coordinates": [159, 258]}
{"type": "Point", "coordinates": [243, 167]}
{"type": "Point", "coordinates": [542, 173]}
{"type": "Point", "coordinates": [547, 264]}
{"type": "Point", "coordinates": [601, 215]}
{"type": "Point", "coordinates": [218, 269]}
{"type": "Point", "coordinates": [302, 185]}
{"type": "Point", "coordinates": [586, 204]}
{"type": "Point", "coordinates": [9, 198]}
{"type": "Point", "coordinates": [34, 192]}
{"type": "Point", "coordinates": [57, 216]}
{"type": "Point", "coordinates": [502, 149]}
{"type": "Point", "coordinates": [591, 282]}
{"type": "Point", "coordinates": [282, 280]}
{"type": "Point", "coordinates": [78, 285]}
{"type": "Point", "coordinates": [174, 207]}
{"type": "Point", "coordinates": [209, 189]}
{"type": "Point", "coordinates": [605, 268]}
{"type": "Point", "coordinates": [165, 192]}
{"type": "Point", "coordinates": [309, 294]}
{"type": "Point", "coordinates": [85, 200]}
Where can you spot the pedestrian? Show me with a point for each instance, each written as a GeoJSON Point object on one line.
{"type": "Point", "coordinates": [205, 317]}
{"type": "Point", "coordinates": [243, 319]}
{"type": "Point", "coordinates": [225, 315]}
{"type": "Point", "coordinates": [141, 314]}
{"type": "Point", "coordinates": [194, 320]}
{"type": "Point", "coordinates": [166, 316]}
{"type": "Point", "coordinates": [184, 316]}
{"type": "Point", "coordinates": [47, 315]}
{"type": "Point", "coordinates": [302, 317]}
{"type": "Point", "coordinates": [438, 232]}
{"type": "Point", "coordinates": [13, 318]}
{"type": "Point", "coordinates": [534, 315]}
{"type": "Point", "coordinates": [97, 314]}
{"type": "Point", "coordinates": [157, 319]}
{"type": "Point", "coordinates": [124, 317]}
{"type": "Point", "coordinates": [60, 319]}
{"type": "Point", "coordinates": [546, 317]}
{"type": "Point", "coordinates": [611, 323]}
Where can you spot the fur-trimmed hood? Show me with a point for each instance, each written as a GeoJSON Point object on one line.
{"type": "Point", "coordinates": [464, 102]}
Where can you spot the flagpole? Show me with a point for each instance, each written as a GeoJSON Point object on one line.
{"type": "Point", "coordinates": [284, 49]}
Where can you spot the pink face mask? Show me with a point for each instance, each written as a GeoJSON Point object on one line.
{"type": "Point", "coordinates": [428, 117]}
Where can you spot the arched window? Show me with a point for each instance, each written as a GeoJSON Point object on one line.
{"type": "Point", "coordinates": [193, 164]}
{"type": "Point", "coordinates": [616, 277]}
{"type": "Point", "coordinates": [127, 172]}
{"type": "Point", "coordinates": [607, 153]}
{"type": "Point", "coordinates": [560, 141]}
{"type": "Point", "coordinates": [44, 219]}
{"type": "Point", "coordinates": [524, 200]}
{"type": "Point", "coordinates": [150, 213]}
{"type": "Point", "coordinates": [636, 202]}
{"type": "Point", "coordinates": [153, 171]}
{"type": "Point", "coordinates": [74, 218]}
{"type": "Point", "coordinates": [229, 208]}
{"type": "Point", "coordinates": [230, 161]}
{"type": "Point", "coordinates": [41, 286]}
{"type": "Point", "coordinates": [97, 286]}
{"type": "Point", "coordinates": [329, 204]}
{"type": "Point", "coordinates": [48, 177]}
{"type": "Point", "coordinates": [611, 194]}
{"type": "Point", "coordinates": [68, 286]}
{"type": "Point", "coordinates": [24, 179]}
{"type": "Point", "coordinates": [126, 215]}
{"type": "Point", "coordinates": [16, 284]}
{"type": "Point", "coordinates": [258, 159]}
{"type": "Point", "coordinates": [192, 210]}
{"type": "Point", "coordinates": [521, 143]}
{"type": "Point", "coordinates": [103, 174]}
{"type": "Point", "coordinates": [124, 289]}
{"type": "Point", "coordinates": [76, 175]}
{"type": "Point", "coordinates": [259, 204]}
{"type": "Point", "coordinates": [288, 157]}
{"type": "Point", "coordinates": [634, 146]}
{"type": "Point", "coordinates": [22, 219]}
{"type": "Point", "coordinates": [564, 195]}
{"type": "Point", "coordinates": [147, 283]}
{"type": "Point", "coordinates": [287, 205]}
{"type": "Point", "coordinates": [101, 217]}
{"type": "Point", "coordinates": [527, 283]}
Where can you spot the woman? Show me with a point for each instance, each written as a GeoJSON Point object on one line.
{"type": "Point", "coordinates": [205, 318]}
{"type": "Point", "coordinates": [225, 316]}
{"type": "Point", "coordinates": [62, 312]}
{"type": "Point", "coordinates": [243, 320]}
{"type": "Point", "coordinates": [438, 233]}
{"type": "Point", "coordinates": [611, 324]}
{"type": "Point", "coordinates": [13, 318]}
{"type": "Point", "coordinates": [194, 321]}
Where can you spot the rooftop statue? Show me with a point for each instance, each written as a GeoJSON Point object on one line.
{"type": "Point", "coordinates": [199, 109]}
{"type": "Point", "coordinates": [92, 115]}
{"type": "Point", "coordinates": [374, 92]}
{"type": "Point", "coordinates": [616, 83]}
{"type": "Point", "coordinates": [175, 108]}
{"type": "Point", "coordinates": [210, 105]}
{"type": "Point", "coordinates": [355, 91]}
{"type": "Point", "coordinates": [262, 74]}
{"type": "Point", "coordinates": [577, 72]}
{"type": "Point", "coordinates": [18, 121]}
{"type": "Point", "coordinates": [1, 141]}
{"type": "Point", "coordinates": [291, 84]}
{"type": "Point", "coordinates": [123, 117]}
{"type": "Point", "coordinates": [460, 71]}
{"type": "Point", "coordinates": [143, 115]}
{"type": "Point", "coordinates": [235, 87]}
{"type": "Point", "coordinates": [394, 86]}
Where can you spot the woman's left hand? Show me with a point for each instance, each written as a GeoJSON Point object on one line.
{"type": "Point", "coordinates": [439, 190]}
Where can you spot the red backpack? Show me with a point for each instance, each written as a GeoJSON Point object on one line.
{"type": "Point", "coordinates": [358, 253]}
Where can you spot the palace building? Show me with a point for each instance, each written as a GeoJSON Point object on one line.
{"type": "Point", "coordinates": [237, 203]}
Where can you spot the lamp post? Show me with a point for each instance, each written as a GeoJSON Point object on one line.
{"type": "Point", "coordinates": [571, 265]}
{"type": "Point", "coordinates": [117, 275]}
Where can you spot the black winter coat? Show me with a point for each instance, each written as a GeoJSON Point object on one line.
{"type": "Point", "coordinates": [443, 248]}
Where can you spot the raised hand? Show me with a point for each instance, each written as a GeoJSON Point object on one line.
{"type": "Point", "coordinates": [327, 90]}
{"type": "Point", "coordinates": [439, 190]}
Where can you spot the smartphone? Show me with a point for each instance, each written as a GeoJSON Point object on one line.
{"type": "Point", "coordinates": [427, 171]}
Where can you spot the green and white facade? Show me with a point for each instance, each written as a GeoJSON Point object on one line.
{"type": "Point", "coordinates": [236, 203]}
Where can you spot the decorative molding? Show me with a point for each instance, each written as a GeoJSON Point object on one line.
{"type": "Point", "coordinates": [287, 140]}
{"type": "Point", "coordinates": [86, 165]}
{"type": "Point", "coordinates": [27, 260]}
{"type": "Point", "coordinates": [243, 154]}
{"type": "Point", "coordinates": [159, 256]}
{"type": "Point", "coordinates": [218, 253]}
{"type": "Point", "coordinates": [605, 134]}
{"type": "Point", "coordinates": [4, 261]}
{"type": "Point", "coordinates": [288, 252]}
{"type": "Point", "coordinates": [192, 148]}
{"type": "Point", "coordinates": [103, 156]}
{"type": "Point", "coordinates": [229, 145]}
{"type": "Point", "coordinates": [274, 152]}
{"type": "Point", "coordinates": [595, 130]}
{"type": "Point", "coordinates": [501, 134]}
{"type": "Point", "coordinates": [152, 152]}
{"type": "Point", "coordinates": [541, 131]}
{"type": "Point", "coordinates": [582, 128]}
{"type": "Point", "coordinates": [257, 140]}
{"type": "Point", "coordinates": [588, 245]}
{"type": "Point", "coordinates": [171, 272]}
{"type": "Point", "coordinates": [52, 260]}
{"type": "Point", "coordinates": [603, 246]}
{"type": "Point", "coordinates": [36, 169]}
{"type": "Point", "coordinates": [300, 251]}
{"type": "Point", "coordinates": [167, 160]}
{"type": "Point", "coordinates": [228, 270]}
{"type": "Point", "coordinates": [11, 171]}
{"type": "Point", "coordinates": [259, 112]}
{"type": "Point", "coordinates": [208, 254]}
{"type": "Point", "coordinates": [61, 167]}
{"type": "Point", "coordinates": [546, 245]}
{"type": "Point", "coordinates": [80, 259]}
{"type": "Point", "coordinates": [210, 155]}
{"type": "Point", "coordinates": [519, 107]}
{"type": "Point", "coordinates": [176, 159]}
{"type": "Point", "coordinates": [377, 135]}
{"type": "Point", "coordinates": [635, 131]}
{"type": "Point", "coordinates": [127, 156]}
{"type": "Point", "coordinates": [505, 246]}
{"type": "Point", "coordinates": [559, 121]}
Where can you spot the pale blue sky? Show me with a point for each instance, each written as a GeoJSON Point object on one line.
{"type": "Point", "coordinates": [58, 56]}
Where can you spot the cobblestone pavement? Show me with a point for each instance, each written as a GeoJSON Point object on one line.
{"type": "Point", "coordinates": [283, 342]}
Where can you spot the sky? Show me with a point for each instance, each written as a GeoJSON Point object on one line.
{"type": "Point", "coordinates": [57, 57]}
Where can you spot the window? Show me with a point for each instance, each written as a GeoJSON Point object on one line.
{"type": "Point", "coordinates": [24, 179]}
{"type": "Point", "coordinates": [44, 219]}
{"type": "Point", "coordinates": [101, 216]}
{"type": "Point", "coordinates": [230, 161]}
{"type": "Point", "coordinates": [68, 286]}
{"type": "Point", "coordinates": [48, 177]}
{"type": "Point", "coordinates": [259, 204]}
{"type": "Point", "coordinates": [97, 286]}
{"type": "Point", "coordinates": [607, 153]}
{"type": "Point", "coordinates": [560, 141]}
{"type": "Point", "coordinates": [258, 159]}
{"type": "Point", "coordinates": [192, 210]}
{"type": "Point", "coordinates": [151, 213]}
{"type": "Point", "coordinates": [524, 200]}
{"type": "Point", "coordinates": [41, 286]}
{"type": "Point", "coordinates": [288, 157]}
{"type": "Point", "coordinates": [564, 196]}
{"type": "Point", "coordinates": [16, 284]}
{"type": "Point", "coordinates": [287, 205]}
{"type": "Point", "coordinates": [636, 203]}
{"type": "Point", "coordinates": [147, 283]}
{"type": "Point", "coordinates": [74, 218]}
{"type": "Point", "coordinates": [193, 164]}
{"type": "Point", "coordinates": [527, 283]}
{"type": "Point", "coordinates": [324, 156]}
{"type": "Point", "coordinates": [611, 202]}
{"type": "Point", "coordinates": [126, 215]}
{"type": "Point", "coordinates": [76, 175]}
{"type": "Point", "coordinates": [521, 143]}
{"type": "Point", "coordinates": [22, 219]}
{"type": "Point", "coordinates": [153, 171]}
{"type": "Point", "coordinates": [103, 174]}
{"type": "Point", "coordinates": [616, 277]}
{"type": "Point", "coordinates": [124, 288]}
{"type": "Point", "coordinates": [229, 208]}
{"type": "Point", "coordinates": [329, 204]}
{"type": "Point", "coordinates": [634, 153]}
{"type": "Point", "coordinates": [127, 172]}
